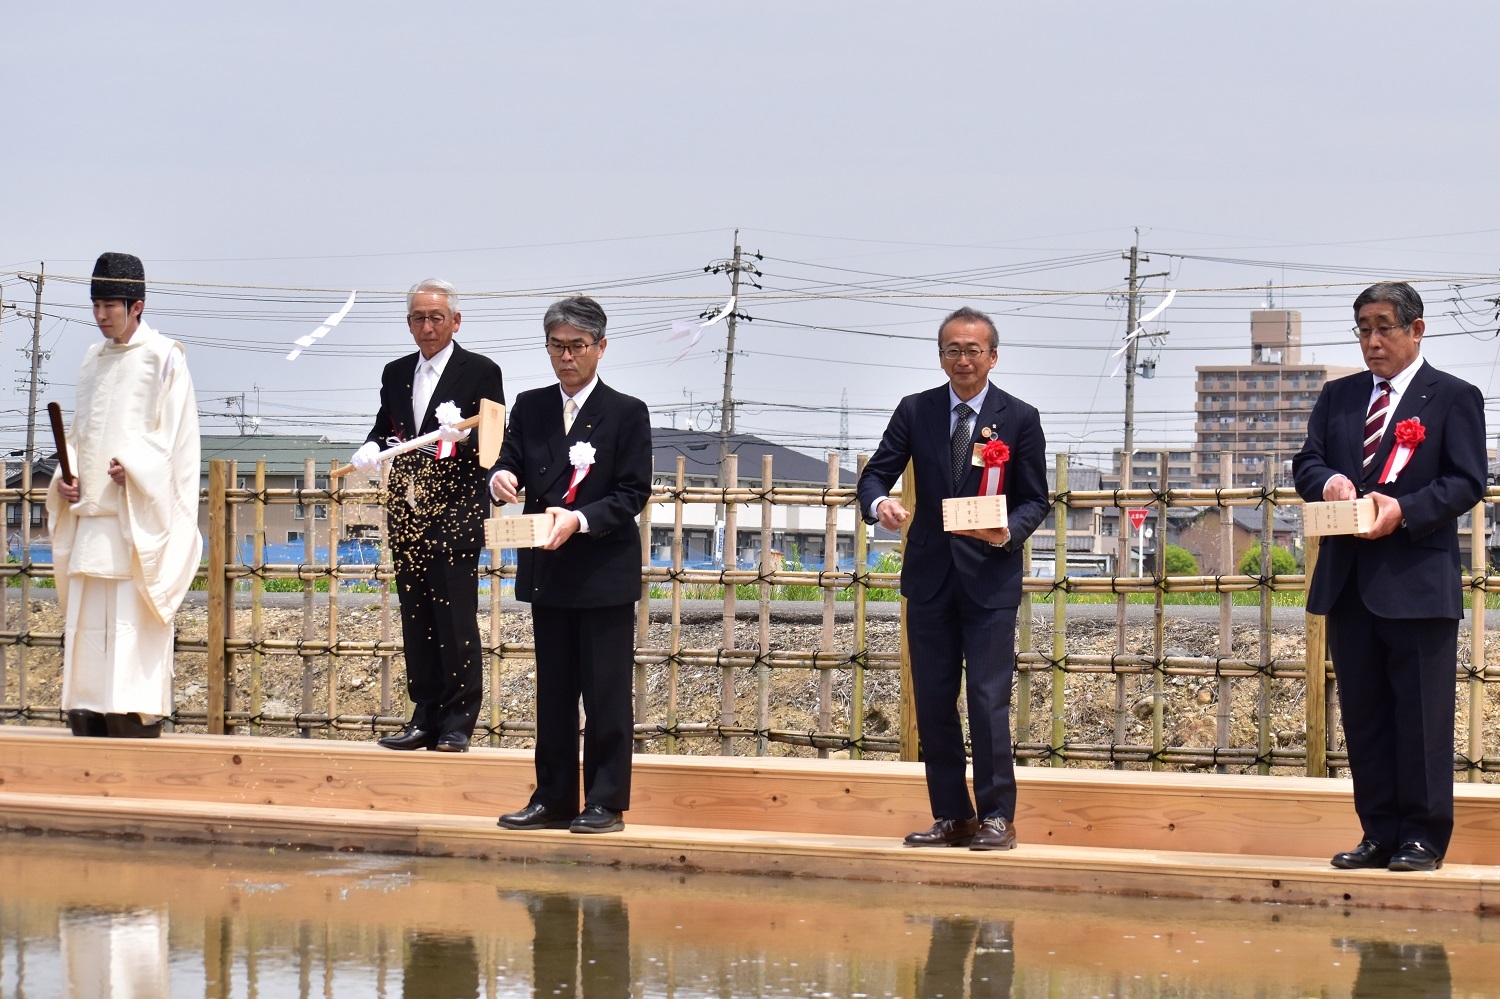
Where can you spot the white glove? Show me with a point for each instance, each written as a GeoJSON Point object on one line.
{"type": "Point", "coordinates": [365, 461]}
{"type": "Point", "coordinates": [452, 434]}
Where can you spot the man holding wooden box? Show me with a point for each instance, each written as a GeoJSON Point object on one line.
{"type": "Point", "coordinates": [963, 439]}
{"type": "Point", "coordinates": [435, 509]}
{"type": "Point", "coordinates": [581, 452]}
{"type": "Point", "coordinates": [1409, 438]}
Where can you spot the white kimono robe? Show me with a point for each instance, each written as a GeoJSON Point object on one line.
{"type": "Point", "coordinates": [125, 556]}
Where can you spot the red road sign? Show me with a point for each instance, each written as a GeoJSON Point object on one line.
{"type": "Point", "coordinates": [1138, 516]}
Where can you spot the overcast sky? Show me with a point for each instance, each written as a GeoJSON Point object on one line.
{"type": "Point", "coordinates": [988, 154]}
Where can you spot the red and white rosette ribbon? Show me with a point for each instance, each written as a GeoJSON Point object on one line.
{"type": "Point", "coordinates": [1409, 433]}
{"type": "Point", "coordinates": [447, 414]}
{"type": "Point", "coordinates": [994, 455]}
{"type": "Point", "coordinates": [581, 457]}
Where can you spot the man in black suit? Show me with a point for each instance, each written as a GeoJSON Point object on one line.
{"type": "Point", "coordinates": [962, 591]}
{"type": "Point", "coordinates": [435, 510]}
{"type": "Point", "coordinates": [1393, 595]}
{"type": "Point", "coordinates": [580, 451]}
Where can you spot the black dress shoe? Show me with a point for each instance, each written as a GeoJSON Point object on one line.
{"type": "Point", "coordinates": [1369, 854]}
{"type": "Point", "coordinates": [452, 742]}
{"type": "Point", "coordinates": [130, 726]}
{"type": "Point", "coordinates": [945, 832]}
{"type": "Point", "coordinates": [597, 819]}
{"type": "Point", "coordinates": [87, 723]}
{"type": "Point", "coordinates": [1415, 856]}
{"type": "Point", "coordinates": [994, 833]}
{"type": "Point", "coordinates": [410, 737]}
{"type": "Point", "coordinates": [535, 816]}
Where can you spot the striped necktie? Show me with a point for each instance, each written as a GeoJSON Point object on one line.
{"type": "Point", "coordinates": [570, 413]}
{"type": "Point", "coordinates": [963, 434]}
{"type": "Point", "coordinates": [1375, 421]}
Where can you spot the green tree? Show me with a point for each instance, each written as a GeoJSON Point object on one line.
{"type": "Point", "coordinates": [1283, 562]}
{"type": "Point", "coordinates": [1180, 561]}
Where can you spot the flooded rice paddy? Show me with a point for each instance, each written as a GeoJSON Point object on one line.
{"type": "Point", "coordinates": [100, 918]}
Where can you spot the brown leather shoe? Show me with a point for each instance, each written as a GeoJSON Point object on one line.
{"type": "Point", "coordinates": [994, 833]}
{"type": "Point", "coordinates": [945, 832]}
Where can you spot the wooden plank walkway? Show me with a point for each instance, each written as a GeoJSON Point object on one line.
{"type": "Point", "coordinates": [1178, 835]}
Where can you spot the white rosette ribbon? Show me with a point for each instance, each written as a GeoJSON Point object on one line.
{"type": "Point", "coordinates": [581, 457]}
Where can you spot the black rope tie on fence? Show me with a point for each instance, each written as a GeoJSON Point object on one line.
{"type": "Point", "coordinates": [1059, 585]}
{"type": "Point", "coordinates": [1480, 583]}
{"type": "Point", "coordinates": [1050, 752]}
{"type": "Point", "coordinates": [1463, 764]}
{"type": "Point", "coordinates": [1472, 671]}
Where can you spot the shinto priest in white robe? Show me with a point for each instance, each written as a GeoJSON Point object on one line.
{"type": "Point", "coordinates": [125, 555]}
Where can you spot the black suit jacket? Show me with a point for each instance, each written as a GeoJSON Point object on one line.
{"type": "Point", "coordinates": [1413, 572]}
{"type": "Point", "coordinates": [603, 567]}
{"type": "Point", "coordinates": [918, 432]}
{"type": "Point", "coordinates": [451, 495]}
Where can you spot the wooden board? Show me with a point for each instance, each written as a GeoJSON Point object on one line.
{"type": "Point", "coordinates": [1354, 516]}
{"type": "Point", "coordinates": [972, 513]}
{"type": "Point", "coordinates": [491, 431]}
{"type": "Point", "coordinates": [528, 530]}
{"type": "Point", "coordinates": [1227, 814]}
{"type": "Point", "coordinates": [1286, 880]}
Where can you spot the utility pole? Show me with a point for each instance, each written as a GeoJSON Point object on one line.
{"type": "Point", "coordinates": [726, 411]}
{"type": "Point", "coordinates": [36, 361]}
{"type": "Point", "coordinates": [735, 265]}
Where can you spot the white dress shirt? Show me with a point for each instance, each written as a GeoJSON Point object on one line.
{"type": "Point", "coordinates": [424, 382]}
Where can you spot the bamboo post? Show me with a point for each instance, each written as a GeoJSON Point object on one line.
{"type": "Point", "coordinates": [231, 554]}
{"type": "Point", "coordinates": [830, 564]}
{"type": "Point", "coordinates": [1024, 615]}
{"type": "Point", "coordinates": [335, 519]}
{"type": "Point", "coordinates": [731, 473]}
{"type": "Point", "coordinates": [643, 612]}
{"type": "Point", "coordinates": [385, 603]}
{"type": "Point", "coordinates": [1122, 609]}
{"type": "Point", "coordinates": [23, 628]}
{"type": "Point", "coordinates": [497, 631]}
{"type": "Point", "coordinates": [675, 644]}
{"type": "Point", "coordinates": [861, 597]}
{"type": "Point", "coordinates": [1480, 561]}
{"type": "Point", "coordinates": [1159, 621]}
{"type": "Point", "coordinates": [1267, 537]}
{"type": "Point", "coordinates": [1315, 628]}
{"type": "Point", "coordinates": [309, 596]}
{"type": "Point", "coordinates": [1058, 738]}
{"type": "Point", "coordinates": [5, 588]}
{"type": "Point", "coordinates": [257, 594]}
{"type": "Point", "coordinates": [1227, 566]}
{"type": "Point", "coordinates": [767, 565]}
{"type": "Point", "coordinates": [911, 749]}
{"type": "Point", "coordinates": [216, 585]}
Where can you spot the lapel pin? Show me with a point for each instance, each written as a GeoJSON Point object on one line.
{"type": "Point", "coordinates": [986, 432]}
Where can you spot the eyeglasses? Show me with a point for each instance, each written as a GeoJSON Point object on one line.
{"type": "Point", "coordinates": [971, 353]}
{"type": "Point", "coordinates": [1381, 331]}
{"type": "Point", "coordinates": [557, 348]}
{"type": "Point", "coordinates": [416, 320]}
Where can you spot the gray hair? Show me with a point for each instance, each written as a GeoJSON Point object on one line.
{"type": "Point", "coordinates": [436, 286]}
{"type": "Point", "coordinates": [1398, 293]}
{"type": "Point", "coordinates": [969, 315]}
{"type": "Point", "coordinates": [581, 313]}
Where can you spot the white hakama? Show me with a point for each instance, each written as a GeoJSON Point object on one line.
{"type": "Point", "coordinates": [125, 556]}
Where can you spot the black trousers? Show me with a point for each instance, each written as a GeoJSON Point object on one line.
{"type": "Point", "coordinates": [440, 628]}
{"type": "Point", "coordinates": [1396, 685]}
{"type": "Point", "coordinates": [955, 642]}
{"type": "Point", "coordinates": [589, 653]}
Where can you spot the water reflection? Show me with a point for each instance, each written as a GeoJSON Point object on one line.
{"type": "Point", "coordinates": [94, 918]}
{"type": "Point", "coordinates": [1401, 971]}
{"type": "Point", "coordinates": [978, 952]}
{"type": "Point", "coordinates": [580, 945]}
{"type": "Point", "coordinates": [113, 955]}
{"type": "Point", "coordinates": [440, 966]}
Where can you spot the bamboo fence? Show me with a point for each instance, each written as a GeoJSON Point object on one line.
{"type": "Point", "coordinates": [241, 655]}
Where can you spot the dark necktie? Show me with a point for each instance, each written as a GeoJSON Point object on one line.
{"type": "Point", "coordinates": [963, 435]}
{"type": "Point", "coordinates": [1375, 421]}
